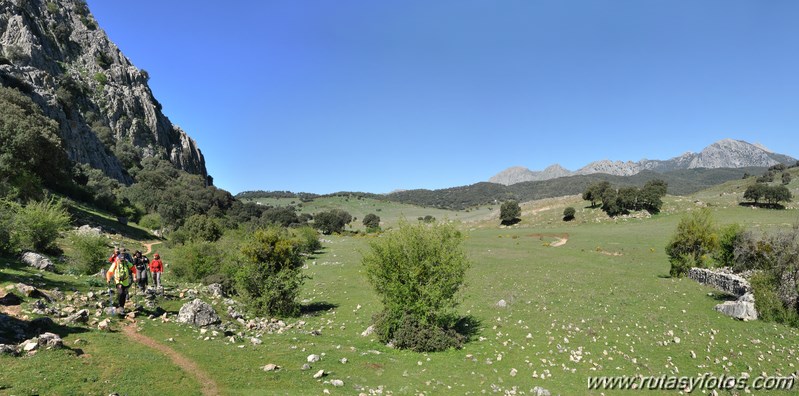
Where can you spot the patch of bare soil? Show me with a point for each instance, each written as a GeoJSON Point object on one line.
{"type": "Point", "coordinates": [208, 385]}
{"type": "Point", "coordinates": [562, 238]}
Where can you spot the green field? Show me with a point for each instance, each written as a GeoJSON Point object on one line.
{"type": "Point", "coordinates": [602, 304]}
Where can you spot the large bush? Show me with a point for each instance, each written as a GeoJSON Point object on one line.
{"type": "Point", "coordinates": [308, 238]}
{"type": "Point", "coordinates": [509, 212]}
{"type": "Point", "coordinates": [417, 271]}
{"type": "Point", "coordinates": [88, 254]}
{"type": "Point", "coordinates": [332, 221]}
{"type": "Point", "coordinates": [693, 243]}
{"type": "Point", "coordinates": [8, 210]}
{"type": "Point", "coordinates": [37, 225]}
{"type": "Point", "coordinates": [195, 261]}
{"type": "Point", "coordinates": [270, 275]}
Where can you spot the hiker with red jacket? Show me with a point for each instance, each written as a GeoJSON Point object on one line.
{"type": "Point", "coordinates": [122, 272]}
{"type": "Point", "coordinates": [157, 268]}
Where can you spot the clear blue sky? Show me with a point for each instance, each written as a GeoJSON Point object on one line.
{"type": "Point", "coordinates": [324, 96]}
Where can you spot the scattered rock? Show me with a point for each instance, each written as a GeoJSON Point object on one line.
{"type": "Point", "coordinates": [81, 316]}
{"type": "Point", "coordinates": [305, 367]}
{"type": "Point", "coordinates": [539, 391]}
{"type": "Point", "coordinates": [369, 330]}
{"type": "Point", "coordinates": [8, 350]}
{"type": "Point", "coordinates": [343, 360]}
{"type": "Point", "coordinates": [216, 290]}
{"type": "Point", "coordinates": [271, 367]}
{"type": "Point", "coordinates": [319, 374]}
{"type": "Point", "coordinates": [337, 383]}
{"type": "Point", "coordinates": [198, 313]}
{"type": "Point", "coordinates": [501, 304]}
{"type": "Point", "coordinates": [28, 290]}
{"type": "Point", "coordinates": [256, 341]}
{"type": "Point", "coordinates": [105, 325]}
{"type": "Point", "coordinates": [38, 261]}
{"type": "Point", "coordinates": [89, 230]}
{"type": "Point", "coordinates": [313, 358]}
{"type": "Point", "coordinates": [50, 340]}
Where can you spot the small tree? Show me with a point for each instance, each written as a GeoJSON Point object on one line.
{"type": "Point", "coordinates": [270, 275]}
{"type": "Point", "coordinates": [693, 241]}
{"type": "Point", "coordinates": [37, 225]}
{"type": "Point", "coordinates": [786, 178]}
{"type": "Point", "coordinates": [372, 222]}
{"type": "Point", "coordinates": [417, 271]}
{"type": "Point", "coordinates": [332, 221]}
{"type": "Point", "coordinates": [568, 214]}
{"type": "Point", "coordinates": [88, 254]}
{"type": "Point", "coordinates": [755, 192]}
{"type": "Point", "coordinates": [308, 238]}
{"type": "Point", "coordinates": [509, 212]}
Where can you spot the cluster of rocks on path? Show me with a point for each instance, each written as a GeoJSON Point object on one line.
{"type": "Point", "coordinates": [725, 280]}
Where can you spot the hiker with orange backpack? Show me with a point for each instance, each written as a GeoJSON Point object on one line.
{"type": "Point", "coordinates": [122, 272]}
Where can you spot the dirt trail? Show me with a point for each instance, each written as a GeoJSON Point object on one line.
{"type": "Point", "coordinates": [149, 246]}
{"type": "Point", "coordinates": [562, 238]}
{"type": "Point", "coordinates": [208, 385]}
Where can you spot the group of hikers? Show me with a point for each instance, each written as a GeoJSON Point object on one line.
{"type": "Point", "coordinates": [126, 270]}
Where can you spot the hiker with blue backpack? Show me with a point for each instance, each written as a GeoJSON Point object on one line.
{"type": "Point", "coordinates": [122, 272]}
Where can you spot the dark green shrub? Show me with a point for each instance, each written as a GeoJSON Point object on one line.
{"type": "Point", "coordinates": [414, 335]}
{"type": "Point", "coordinates": [372, 222]}
{"type": "Point", "coordinates": [270, 276]}
{"type": "Point", "coordinates": [767, 301]}
{"type": "Point", "coordinates": [332, 221]}
{"type": "Point", "coordinates": [729, 237]}
{"type": "Point", "coordinates": [8, 210]}
{"type": "Point", "coordinates": [509, 212]}
{"type": "Point", "coordinates": [88, 254]}
{"type": "Point", "coordinates": [202, 228]}
{"type": "Point", "coordinates": [417, 271]}
{"type": "Point", "coordinates": [568, 214]}
{"type": "Point", "coordinates": [693, 242]}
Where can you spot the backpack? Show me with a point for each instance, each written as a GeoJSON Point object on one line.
{"type": "Point", "coordinates": [121, 272]}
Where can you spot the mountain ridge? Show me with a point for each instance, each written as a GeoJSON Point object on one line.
{"type": "Point", "coordinates": [725, 153]}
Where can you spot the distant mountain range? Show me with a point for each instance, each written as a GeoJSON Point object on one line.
{"type": "Point", "coordinates": [727, 153]}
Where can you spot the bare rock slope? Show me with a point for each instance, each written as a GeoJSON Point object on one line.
{"type": "Point", "coordinates": [108, 118]}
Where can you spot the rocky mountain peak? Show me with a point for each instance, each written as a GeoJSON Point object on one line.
{"type": "Point", "coordinates": [55, 52]}
{"type": "Point", "coordinates": [726, 153]}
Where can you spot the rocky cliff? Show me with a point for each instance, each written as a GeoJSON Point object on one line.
{"type": "Point", "coordinates": [727, 153]}
{"type": "Point", "coordinates": [54, 51]}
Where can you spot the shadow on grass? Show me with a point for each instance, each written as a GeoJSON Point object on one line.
{"type": "Point", "coordinates": [15, 330]}
{"type": "Point", "coordinates": [511, 222]}
{"type": "Point", "coordinates": [30, 276]}
{"type": "Point", "coordinates": [468, 326]}
{"type": "Point", "coordinates": [762, 205]}
{"type": "Point", "coordinates": [316, 308]}
{"type": "Point", "coordinates": [81, 216]}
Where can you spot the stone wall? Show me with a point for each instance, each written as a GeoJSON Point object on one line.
{"type": "Point", "coordinates": [721, 280]}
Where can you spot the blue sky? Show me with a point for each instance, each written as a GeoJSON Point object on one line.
{"type": "Point", "coordinates": [325, 96]}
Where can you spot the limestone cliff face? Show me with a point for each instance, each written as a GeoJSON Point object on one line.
{"type": "Point", "coordinates": [54, 51]}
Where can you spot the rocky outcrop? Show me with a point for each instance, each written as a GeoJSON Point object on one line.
{"type": "Point", "coordinates": [726, 153]}
{"type": "Point", "coordinates": [107, 115]}
{"type": "Point", "coordinates": [743, 308]}
{"type": "Point", "coordinates": [38, 261]}
{"type": "Point", "coordinates": [198, 313]}
{"type": "Point", "coordinates": [721, 280]}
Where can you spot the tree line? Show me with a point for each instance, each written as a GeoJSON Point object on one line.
{"type": "Point", "coordinates": [622, 200]}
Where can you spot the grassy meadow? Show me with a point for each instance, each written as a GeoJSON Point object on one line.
{"type": "Point", "coordinates": [601, 304]}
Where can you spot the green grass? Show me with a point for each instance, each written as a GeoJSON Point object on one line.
{"type": "Point", "coordinates": [604, 296]}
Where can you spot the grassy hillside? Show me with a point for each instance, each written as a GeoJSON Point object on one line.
{"type": "Point", "coordinates": [600, 304]}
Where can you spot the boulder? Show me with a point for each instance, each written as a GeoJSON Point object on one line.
{"type": "Point", "coordinates": [216, 291]}
{"type": "Point", "coordinates": [6, 349]}
{"type": "Point", "coordinates": [89, 230]}
{"type": "Point", "coordinates": [271, 367]}
{"type": "Point", "coordinates": [38, 261]}
{"type": "Point", "coordinates": [539, 391]}
{"type": "Point", "coordinates": [50, 340]}
{"type": "Point", "coordinates": [313, 358]}
{"type": "Point", "coordinates": [722, 280]}
{"type": "Point", "coordinates": [81, 316]}
{"type": "Point", "coordinates": [198, 313]}
{"type": "Point", "coordinates": [743, 308]}
{"type": "Point", "coordinates": [337, 383]}
{"type": "Point", "coordinates": [28, 290]}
